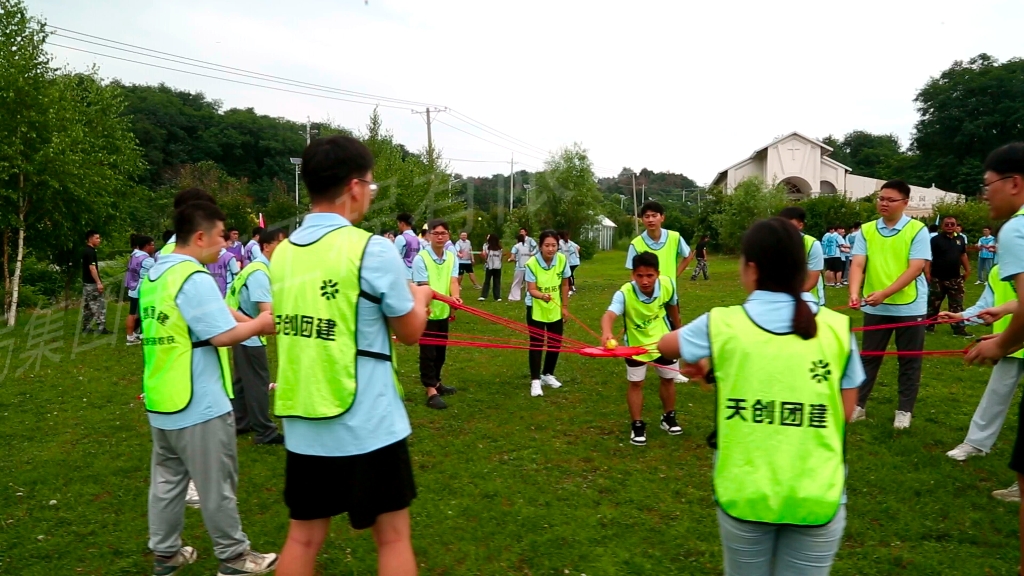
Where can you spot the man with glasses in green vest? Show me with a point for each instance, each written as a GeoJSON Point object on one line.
{"type": "Point", "coordinates": [250, 294]}
{"type": "Point", "coordinates": [436, 268]}
{"type": "Point", "coordinates": [339, 293]}
{"type": "Point", "coordinates": [887, 282]}
{"type": "Point", "coordinates": [187, 388]}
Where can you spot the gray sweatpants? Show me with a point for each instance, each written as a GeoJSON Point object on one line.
{"type": "Point", "coordinates": [251, 382]}
{"type": "Point", "coordinates": [753, 549]}
{"type": "Point", "coordinates": [995, 402]}
{"type": "Point", "coordinates": [205, 453]}
{"type": "Point", "coordinates": [515, 294]}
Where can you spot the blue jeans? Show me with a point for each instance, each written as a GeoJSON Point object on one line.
{"type": "Point", "coordinates": [753, 549]}
{"type": "Point", "coordinates": [984, 267]}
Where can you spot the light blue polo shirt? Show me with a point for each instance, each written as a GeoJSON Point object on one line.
{"type": "Point", "coordinates": [618, 305]}
{"type": "Point", "coordinates": [986, 241]}
{"type": "Point", "coordinates": [772, 311]}
{"type": "Point", "coordinates": [816, 263]}
{"type": "Point", "coordinates": [684, 248]}
{"type": "Point", "coordinates": [830, 244]}
{"type": "Point", "coordinates": [256, 290]}
{"type": "Point", "coordinates": [1011, 249]}
{"type": "Point", "coordinates": [531, 277]}
{"type": "Point", "coordinates": [522, 253]}
{"type": "Point", "coordinates": [844, 242]}
{"type": "Point", "coordinates": [207, 316]}
{"type": "Point", "coordinates": [920, 249]}
{"type": "Point", "coordinates": [574, 253]}
{"type": "Point", "coordinates": [419, 267]}
{"type": "Point", "coordinates": [377, 418]}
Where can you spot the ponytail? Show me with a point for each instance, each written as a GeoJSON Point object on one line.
{"type": "Point", "coordinates": [804, 323]}
{"type": "Point", "coordinates": [776, 248]}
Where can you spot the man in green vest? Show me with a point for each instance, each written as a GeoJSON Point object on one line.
{"type": "Point", "coordinates": [186, 384]}
{"type": "Point", "coordinates": [1004, 192]}
{"type": "Point", "coordinates": [250, 294]}
{"type": "Point", "coordinates": [182, 198]}
{"type": "Point", "coordinates": [339, 293]}
{"type": "Point", "coordinates": [649, 308]}
{"type": "Point", "coordinates": [436, 268]}
{"type": "Point", "coordinates": [812, 249]}
{"type": "Point", "coordinates": [672, 251]}
{"type": "Point", "coordinates": [887, 282]}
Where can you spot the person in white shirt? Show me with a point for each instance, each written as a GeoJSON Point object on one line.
{"type": "Point", "coordinates": [521, 254]}
{"type": "Point", "coordinates": [464, 250]}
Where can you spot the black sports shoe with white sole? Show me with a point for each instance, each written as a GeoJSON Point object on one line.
{"type": "Point", "coordinates": [669, 424]}
{"type": "Point", "coordinates": [638, 433]}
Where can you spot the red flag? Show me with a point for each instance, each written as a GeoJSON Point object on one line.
{"type": "Point", "coordinates": [262, 225]}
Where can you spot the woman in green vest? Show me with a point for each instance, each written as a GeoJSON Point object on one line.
{"type": "Point", "coordinates": [787, 372]}
{"type": "Point", "coordinates": [547, 303]}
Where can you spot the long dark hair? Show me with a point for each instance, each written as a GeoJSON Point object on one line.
{"type": "Point", "coordinates": [776, 248]}
{"type": "Point", "coordinates": [493, 242]}
{"type": "Point", "coordinates": [545, 235]}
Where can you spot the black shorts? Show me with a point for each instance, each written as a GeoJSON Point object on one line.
{"type": "Point", "coordinates": [465, 268]}
{"type": "Point", "coordinates": [364, 485]}
{"type": "Point", "coordinates": [834, 264]}
{"type": "Point", "coordinates": [133, 306]}
{"type": "Point", "coordinates": [660, 361]}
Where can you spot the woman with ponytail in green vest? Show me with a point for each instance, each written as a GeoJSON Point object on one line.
{"type": "Point", "coordinates": [787, 373]}
{"type": "Point", "coordinates": [547, 303]}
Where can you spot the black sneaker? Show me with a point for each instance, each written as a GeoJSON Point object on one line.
{"type": "Point", "coordinates": [669, 424]}
{"type": "Point", "coordinates": [638, 433]}
{"type": "Point", "coordinates": [445, 390]}
{"type": "Point", "coordinates": [436, 402]}
{"type": "Point", "coordinates": [276, 439]}
{"type": "Point", "coordinates": [929, 329]}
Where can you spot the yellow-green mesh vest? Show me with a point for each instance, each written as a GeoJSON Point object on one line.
{"type": "Point", "coordinates": [1002, 292]}
{"type": "Point", "coordinates": [549, 281]}
{"type": "Point", "coordinates": [668, 254]}
{"type": "Point", "coordinates": [167, 248]}
{"type": "Point", "coordinates": [439, 276]}
{"type": "Point", "coordinates": [808, 244]}
{"type": "Point", "coordinates": [234, 297]}
{"type": "Point", "coordinates": [780, 419]}
{"type": "Point", "coordinates": [645, 322]}
{"type": "Point", "coordinates": [316, 294]}
{"type": "Point", "coordinates": [167, 348]}
{"type": "Point", "coordinates": [888, 258]}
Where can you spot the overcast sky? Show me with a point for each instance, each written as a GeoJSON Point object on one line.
{"type": "Point", "coordinates": [687, 87]}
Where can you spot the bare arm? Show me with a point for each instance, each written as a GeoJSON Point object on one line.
{"type": "Point", "coordinates": [265, 306]}
{"type": "Point", "coordinates": [409, 327]}
{"type": "Point", "coordinates": [262, 324]}
{"type": "Point", "coordinates": [531, 287]}
{"type": "Point", "coordinates": [668, 346]}
{"type": "Point", "coordinates": [812, 280]}
{"type": "Point", "coordinates": [673, 315]}
{"type": "Point", "coordinates": [682, 265]}
{"type": "Point", "coordinates": [928, 272]}
{"type": "Point", "coordinates": [856, 279]}
{"type": "Point", "coordinates": [95, 274]}
{"type": "Point", "coordinates": [849, 401]}
{"type": "Point", "coordinates": [965, 263]}
{"type": "Point", "coordinates": [455, 289]}
{"type": "Point", "coordinates": [607, 326]}
{"type": "Point", "coordinates": [565, 297]}
{"type": "Point", "coordinates": [914, 269]}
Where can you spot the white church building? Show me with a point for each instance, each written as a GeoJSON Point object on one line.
{"type": "Point", "coordinates": [803, 165]}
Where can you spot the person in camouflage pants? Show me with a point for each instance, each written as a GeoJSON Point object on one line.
{"type": "Point", "coordinates": [93, 308]}
{"type": "Point", "coordinates": [946, 273]}
{"type": "Point", "coordinates": [940, 290]}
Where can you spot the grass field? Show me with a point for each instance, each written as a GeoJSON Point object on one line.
{"type": "Point", "coordinates": [508, 484]}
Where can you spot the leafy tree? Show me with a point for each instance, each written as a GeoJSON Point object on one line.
{"type": "Point", "coordinates": [833, 210]}
{"type": "Point", "coordinates": [567, 194]}
{"type": "Point", "coordinates": [751, 200]}
{"type": "Point", "coordinates": [972, 215]}
{"type": "Point", "coordinates": [967, 111]}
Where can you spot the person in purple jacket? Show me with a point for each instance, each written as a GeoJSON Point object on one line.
{"type": "Point", "coordinates": [236, 247]}
{"type": "Point", "coordinates": [224, 269]}
{"type": "Point", "coordinates": [407, 243]}
{"type": "Point", "coordinates": [139, 263]}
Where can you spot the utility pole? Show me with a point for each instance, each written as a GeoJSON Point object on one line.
{"type": "Point", "coordinates": [643, 193]}
{"type": "Point", "coordinates": [636, 216]}
{"type": "Point", "coordinates": [307, 131]}
{"type": "Point", "coordinates": [430, 135]}
{"type": "Point", "coordinates": [511, 181]}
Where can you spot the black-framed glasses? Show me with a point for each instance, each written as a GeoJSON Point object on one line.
{"type": "Point", "coordinates": [371, 185]}
{"type": "Point", "coordinates": [984, 187]}
{"type": "Point", "coordinates": [884, 200]}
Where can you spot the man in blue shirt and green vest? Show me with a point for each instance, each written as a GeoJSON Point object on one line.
{"type": "Point", "coordinates": [673, 252]}
{"type": "Point", "coordinates": [339, 292]}
{"type": "Point", "coordinates": [187, 387]}
{"type": "Point", "coordinates": [436, 268]}
{"type": "Point", "coordinates": [887, 282]}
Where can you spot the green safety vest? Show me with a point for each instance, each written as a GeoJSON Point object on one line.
{"type": "Point", "coordinates": [316, 297]}
{"type": "Point", "coordinates": [808, 244]}
{"type": "Point", "coordinates": [646, 322]}
{"type": "Point", "coordinates": [167, 248]}
{"type": "Point", "coordinates": [1003, 292]}
{"type": "Point", "coordinates": [167, 348]}
{"type": "Point", "coordinates": [888, 258]}
{"type": "Point", "coordinates": [780, 419]}
{"type": "Point", "coordinates": [234, 297]}
{"type": "Point", "coordinates": [549, 281]}
{"type": "Point", "coordinates": [668, 254]}
{"type": "Point", "coordinates": [439, 277]}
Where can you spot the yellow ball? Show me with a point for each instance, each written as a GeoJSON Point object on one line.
{"type": "Point", "coordinates": [611, 344]}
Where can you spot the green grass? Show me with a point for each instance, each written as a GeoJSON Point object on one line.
{"type": "Point", "coordinates": [508, 484]}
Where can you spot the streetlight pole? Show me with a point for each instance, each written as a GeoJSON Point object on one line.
{"type": "Point", "coordinates": [636, 216]}
{"type": "Point", "coordinates": [297, 162]}
{"type": "Point", "coordinates": [527, 187]}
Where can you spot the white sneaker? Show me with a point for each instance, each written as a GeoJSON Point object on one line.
{"type": "Point", "coordinates": [481, 299]}
{"type": "Point", "coordinates": [1011, 494]}
{"type": "Point", "coordinates": [964, 451]}
{"type": "Point", "coordinates": [248, 563]}
{"type": "Point", "coordinates": [681, 379]}
{"type": "Point", "coordinates": [132, 340]}
{"type": "Point", "coordinates": [192, 497]}
{"type": "Point", "coordinates": [858, 414]}
{"type": "Point", "coordinates": [535, 389]}
{"type": "Point", "coordinates": [902, 421]}
{"type": "Point", "coordinates": [549, 380]}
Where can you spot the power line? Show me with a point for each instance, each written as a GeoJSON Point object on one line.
{"type": "Point", "coordinates": [227, 68]}
{"type": "Point", "coordinates": [495, 131]}
{"type": "Point", "coordinates": [488, 141]}
{"type": "Point", "coordinates": [228, 79]}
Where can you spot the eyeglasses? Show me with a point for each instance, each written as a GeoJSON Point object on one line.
{"type": "Point", "coordinates": [885, 200]}
{"type": "Point", "coordinates": [371, 185]}
{"type": "Point", "coordinates": [984, 187]}
{"type": "Point", "coordinates": [441, 233]}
